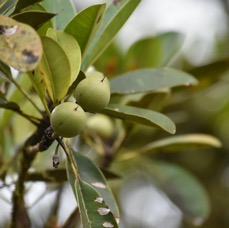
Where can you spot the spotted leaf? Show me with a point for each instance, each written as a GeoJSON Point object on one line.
{"type": "Point", "coordinates": [94, 213]}
{"type": "Point", "coordinates": [20, 45]}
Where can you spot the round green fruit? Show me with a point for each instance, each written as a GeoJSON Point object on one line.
{"type": "Point", "coordinates": [93, 92]}
{"type": "Point", "coordinates": [68, 119]}
{"type": "Point", "coordinates": [101, 125]}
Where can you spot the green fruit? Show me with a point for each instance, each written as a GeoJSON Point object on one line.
{"type": "Point", "coordinates": [93, 92]}
{"type": "Point", "coordinates": [101, 125]}
{"type": "Point", "coordinates": [68, 119]}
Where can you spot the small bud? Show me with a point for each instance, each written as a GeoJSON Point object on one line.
{"type": "Point", "coordinates": [55, 161]}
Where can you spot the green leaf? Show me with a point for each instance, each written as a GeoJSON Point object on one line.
{"type": "Point", "coordinates": [115, 17]}
{"type": "Point", "coordinates": [5, 70]}
{"type": "Point", "coordinates": [183, 189]}
{"type": "Point", "coordinates": [157, 51]}
{"type": "Point", "coordinates": [94, 213]}
{"type": "Point", "coordinates": [142, 116]}
{"type": "Point", "coordinates": [55, 68]}
{"type": "Point", "coordinates": [20, 45]}
{"type": "Point", "coordinates": [87, 22]}
{"type": "Point", "coordinates": [154, 101]}
{"type": "Point", "coordinates": [181, 143]}
{"type": "Point", "coordinates": [38, 81]}
{"type": "Point", "coordinates": [22, 4]}
{"type": "Point", "coordinates": [91, 174]}
{"type": "Point", "coordinates": [210, 73]}
{"type": "Point", "coordinates": [91, 192]}
{"type": "Point", "coordinates": [71, 49]}
{"type": "Point", "coordinates": [111, 61]}
{"type": "Point", "coordinates": [34, 18]}
{"type": "Point", "coordinates": [64, 9]}
{"type": "Point", "coordinates": [7, 104]}
{"type": "Point", "coordinates": [148, 80]}
{"type": "Point", "coordinates": [15, 96]}
{"type": "Point", "coordinates": [5, 5]}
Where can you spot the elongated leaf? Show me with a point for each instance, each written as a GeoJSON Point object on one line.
{"type": "Point", "coordinates": [7, 104]}
{"type": "Point", "coordinates": [21, 4]}
{"type": "Point", "coordinates": [91, 174]}
{"type": "Point", "coordinates": [87, 22]}
{"type": "Point", "coordinates": [20, 45]}
{"type": "Point", "coordinates": [65, 11]}
{"type": "Point", "coordinates": [183, 189]}
{"type": "Point", "coordinates": [115, 17]}
{"type": "Point", "coordinates": [34, 18]}
{"type": "Point", "coordinates": [181, 143]}
{"type": "Point", "coordinates": [6, 5]}
{"type": "Point", "coordinates": [5, 70]}
{"type": "Point", "coordinates": [94, 212]}
{"type": "Point", "coordinates": [93, 208]}
{"type": "Point", "coordinates": [38, 81]}
{"type": "Point", "coordinates": [142, 116]}
{"type": "Point", "coordinates": [147, 80]}
{"type": "Point", "coordinates": [55, 68]}
{"type": "Point", "coordinates": [71, 49]}
{"type": "Point", "coordinates": [157, 51]}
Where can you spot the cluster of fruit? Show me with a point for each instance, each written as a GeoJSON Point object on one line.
{"type": "Point", "coordinates": [92, 94]}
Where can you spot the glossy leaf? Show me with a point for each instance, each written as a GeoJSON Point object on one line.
{"type": "Point", "coordinates": [22, 4]}
{"type": "Point", "coordinates": [34, 18]}
{"type": "Point", "coordinates": [147, 80]}
{"type": "Point", "coordinates": [183, 189]}
{"type": "Point", "coordinates": [88, 189]}
{"type": "Point", "coordinates": [115, 17]}
{"type": "Point", "coordinates": [55, 71]}
{"type": "Point", "coordinates": [65, 11]}
{"type": "Point", "coordinates": [87, 22]}
{"type": "Point", "coordinates": [71, 49]}
{"type": "Point", "coordinates": [94, 212]}
{"type": "Point", "coordinates": [20, 45]}
{"type": "Point", "coordinates": [178, 143]}
{"type": "Point", "coordinates": [142, 116]}
{"type": "Point", "coordinates": [90, 173]}
{"type": "Point", "coordinates": [157, 51]}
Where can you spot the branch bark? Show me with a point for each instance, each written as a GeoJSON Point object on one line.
{"type": "Point", "coordinates": [20, 218]}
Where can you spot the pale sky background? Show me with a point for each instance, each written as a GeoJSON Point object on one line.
{"type": "Point", "coordinates": [201, 22]}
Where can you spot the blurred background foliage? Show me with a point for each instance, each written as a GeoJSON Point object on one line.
{"type": "Point", "coordinates": [203, 108]}
{"type": "Point", "coordinates": [194, 168]}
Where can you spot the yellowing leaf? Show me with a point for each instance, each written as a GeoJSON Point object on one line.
{"type": "Point", "coordinates": [20, 45]}
{"type": "Point", "coordinates": [55, 69]}
{"type": "Point", "coordinates": [71, 49]}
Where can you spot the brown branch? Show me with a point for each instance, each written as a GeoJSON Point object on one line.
{"type": "Point", "coordinates": [20, 218]}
